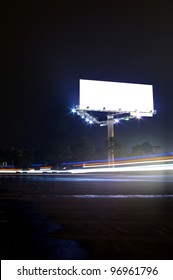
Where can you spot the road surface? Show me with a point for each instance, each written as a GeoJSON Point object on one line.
{"type": "Point", "coordinates": [88, 216]}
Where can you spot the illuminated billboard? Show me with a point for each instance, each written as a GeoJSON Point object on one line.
{"type": "Point", "coordinates": [116, 97]}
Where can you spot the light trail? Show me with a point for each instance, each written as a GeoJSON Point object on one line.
{"type": "Point", "coordinates": [122, 161]}
{"type": "Point", "coordinates": [160, 167]}
{"type": "Point", "coordinates": [119, 196]}
{"type": "Point", "coordinates": [127, 163]}
{"type": "Point", "coordinates": [140, 166]}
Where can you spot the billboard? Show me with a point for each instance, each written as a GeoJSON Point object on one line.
{"type": "Point", "coordinates": [116, 97]}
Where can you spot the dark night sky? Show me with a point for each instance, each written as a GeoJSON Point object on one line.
{"type": "Point", "coordinates": [47, 46]}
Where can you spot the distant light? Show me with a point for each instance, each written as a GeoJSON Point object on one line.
{"type": "Point", "coordinates": [127, 119]}
{"type": "Point", "coordinates": [90, 121]}
{"type": "Point", "coordinates": [87, 120]}
{"type": "Point", "coordinates": [73, 110]}
{"type": "Point", "coordinates": [117, 120]}
{"type": "Point", "coordinates": [138, 117]}
{"type": "Point", "coordinates": [82, 117]}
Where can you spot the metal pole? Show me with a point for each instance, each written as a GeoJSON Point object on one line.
{"type": "Point", "coordinates": [110, 124]}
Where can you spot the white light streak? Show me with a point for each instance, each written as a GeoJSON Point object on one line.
{"type": "Point", "coordinates": [128, 163]}
{"type": "Point", "coordinates": [154, 165]}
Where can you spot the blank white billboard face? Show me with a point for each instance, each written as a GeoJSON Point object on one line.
{"type": "Point", "coordinates": [120, 97]}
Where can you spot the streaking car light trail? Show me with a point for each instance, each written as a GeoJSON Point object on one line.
{"type": "Point", "coordinates": [159, 162]}
{"type": "Point", "coordinates": [164, 165]}
{"type": "Point", "coordinates": [156, 167]}
{"type": "Point", "coordinates": [127, 163]}
{"type": "Point", "coordinates": [120, 196]}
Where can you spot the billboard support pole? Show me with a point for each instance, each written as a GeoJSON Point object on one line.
{"type": "Point", "coordinates": [110, 125]}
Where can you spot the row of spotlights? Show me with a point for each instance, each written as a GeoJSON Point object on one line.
{"type": "Point", "coordinates": [87, 119]}
{"type": "Point", "coordinates": [73, 110]}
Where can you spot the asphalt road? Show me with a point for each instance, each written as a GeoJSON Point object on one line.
{"type": "Point", "coordinates": [112, 216]}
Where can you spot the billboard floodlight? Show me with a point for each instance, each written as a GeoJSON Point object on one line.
{"type": "Point", "coordinates": [116, 121]}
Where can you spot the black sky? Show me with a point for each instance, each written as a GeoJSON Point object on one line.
{"type": "Point", "coordinates": [47, 46]}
